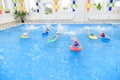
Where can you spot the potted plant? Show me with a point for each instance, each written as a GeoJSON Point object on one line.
{"type": "Point", "coordinates": [21, 15]}
{"type": "Point", "coordinates": [98, 6]}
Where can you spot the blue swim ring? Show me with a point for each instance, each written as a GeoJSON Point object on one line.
{"type": "Point", "coordinates": [45, 33]}
{"type": "Point", "coordinates": [105, 39]}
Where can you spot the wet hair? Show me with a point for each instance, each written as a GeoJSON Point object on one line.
{"type": "Point", "coordinates": [76, 41]}
{"type": "Point", "coordinates": [92, 34]}
{"type": "Point", "coordinates": [102, 34]}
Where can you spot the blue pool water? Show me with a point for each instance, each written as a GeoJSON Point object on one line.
{"type": "Point", "coordinates": [35, 58]}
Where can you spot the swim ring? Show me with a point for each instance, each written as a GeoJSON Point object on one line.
{"type": "Point", "coordinates": [23, 36]}
{"type": "Point", "coordinates": [93, 37]}
{"type": "Point", "coordinates": [45, 33]}
{"type": "Point", "coordinates": [73, 48]}
{"type": "Point", "coordinates": [105, 39]}
{"type": "Point", "coordinates": [52, 39]}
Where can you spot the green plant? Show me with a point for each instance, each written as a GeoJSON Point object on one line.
{"type": "Point", "coordinates": [48, 11]}
{"type": "Point", "coordinates": [7, 11]}
{"type": "Point", "coordinates": [98, 6]}
{"type": "Point", "coordinates": [21, 15]}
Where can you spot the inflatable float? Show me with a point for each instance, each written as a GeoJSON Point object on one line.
{"type": "Point", "coordinates": [24, 36]}
{"type": "Point", "coordinates": [93, 37]}
{"type": "Point", "coordinates": [52, 39]}
{"type": "Point", "coordinates": [73, 48]}
{"type": "Point", "coordinates": [105, 39]}
{"type": "Point", "coordinates": [45, 33]}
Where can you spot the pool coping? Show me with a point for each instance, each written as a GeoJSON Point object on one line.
{"type": "Point", "coordinates": [13, 24]}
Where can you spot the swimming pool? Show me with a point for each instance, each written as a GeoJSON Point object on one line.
{"type": "Point", "coordinates": [35, 58]}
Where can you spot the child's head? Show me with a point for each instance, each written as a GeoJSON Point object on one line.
{"type": "Point", "coordinates": [102, 34]}
{"type": "Point", "coordinates": [76, 41]}
{"type": "Point", "coordinates": [25, 33]}
{"type": "Point", "coordinates": [48, 27]}
{"type": "Point", "coordinates": [92, 34]}
{"type": "Point", "coordinates": [87, 28]}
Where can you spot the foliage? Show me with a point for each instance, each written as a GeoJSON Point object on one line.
{"type": "Point", "coordinates": [98, 6]}
{"type": "Point", "coordinates": [20, 15]}
{"type": "Point", "coordinates": [38, 0]}
{"type": "Point", "coordinates": [7, 11]}
{"type": "Point", "coordinates": [48, 11]}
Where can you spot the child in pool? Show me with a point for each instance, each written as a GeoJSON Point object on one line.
{"type": "Point", "coordinates": [75, 40]}
{"type": "Point", "coordinates": [59, 32]}
{"type": "Point", "coordinates": [47, 29]}
{"type": "Point", "coordinates": [88, 33]}
{"type": "Point", "coordinates": [25, 33]}
{"type": "Point", "coordinates": [76, 43]}
{"type": "Point", "coordinates": [57, 35]}
{"type": "Point", "coordinates": [102, 34]}
{"type": "Point", "coordinates": [91, 34]}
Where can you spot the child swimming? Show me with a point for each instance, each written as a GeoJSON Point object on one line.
{"type": "Point", "coordinates": [91, 35]}
{"type": "Point", "coordinates": [47, 29]}
{"type": "Point", "coordinates": [54, 38]}
{"type": "Point", "coordinates": [25, 34]}
{"type": "Point", "coordinates": [102, 34]}
{"type": "Point", "coordinates": [57, 35]}
{"type": "Point", "coordinates": [76, 41]}
{"type": "Point", "coordinates": [76, 46]}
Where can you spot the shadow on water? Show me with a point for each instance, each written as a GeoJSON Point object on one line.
{"type": "Point", "coordinates": [26, 41]}
{"type": "Point", "coordinates": [75, 53]}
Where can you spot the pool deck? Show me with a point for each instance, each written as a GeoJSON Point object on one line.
{"type": "Point", "coordinates": [12, 24]}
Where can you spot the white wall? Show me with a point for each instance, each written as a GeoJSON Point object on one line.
{"type": "Point", "coordinates": [5, 18]}
{"type": "Point", "coordinates": [81, 15]}
{"type": "Point", "coordinates": [103, 14]}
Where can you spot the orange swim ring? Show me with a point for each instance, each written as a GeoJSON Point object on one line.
{"type": "Point", "coordinates": [73, 48]}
